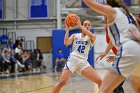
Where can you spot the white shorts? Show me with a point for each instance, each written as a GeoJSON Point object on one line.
{"type": "Point", "coordinates": [77, 64]}
{"type": "Point", "coordinates": [127, 58]}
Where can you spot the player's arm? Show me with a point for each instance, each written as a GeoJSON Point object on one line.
{"type": "Point", "coordinates": [68, 40]}
{"type": "Point", "coordinates": [109, 47]}
{"type": "Point", "coordinates": [87, 32]}
{"type": "Point", "coordinates": [105, 10]}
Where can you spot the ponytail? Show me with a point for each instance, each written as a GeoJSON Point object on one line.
{"type": "Point", "coordinates": [120, 3]}
{"type": "Point", "coordinates": [124, 6]}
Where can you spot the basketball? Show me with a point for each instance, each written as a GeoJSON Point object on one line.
{"type": "Point", "coordinates": [71, 20]}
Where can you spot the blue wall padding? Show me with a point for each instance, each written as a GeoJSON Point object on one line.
{"type": "Point", "coordinates": [58, 43]}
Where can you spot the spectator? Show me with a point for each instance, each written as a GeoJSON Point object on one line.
{"type": "Point", "coordinates": [16, 44]}
{"type": "Point", "coordinates": [14, 63]}
{"type": "Point", "coordinates": [39, 58]}
{"type": "Point", "coordinates": [18, 50]}
{"type": "Point", "coordinates": [60, 61]}
{"type": "Point", "coordinates": [4, 40]}
{"type": "Point", "coordinates": [21, 43]}
{"type": "Point", "coordinates": [6, 57]}
{"type": "Point", "coordinates": [10, 44]}
{"type": "Point", "coordinates": [33, 59]}
{"type": "Point", "coordinates": [26, 60]}
{"type": "Point", "coordinates": [1, 64]}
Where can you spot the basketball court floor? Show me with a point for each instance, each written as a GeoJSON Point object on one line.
{"type": "Point", "coordinates": [44, 82]}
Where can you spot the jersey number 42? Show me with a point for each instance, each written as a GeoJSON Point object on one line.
{"type": "Point", "coordinates": [81, 49]}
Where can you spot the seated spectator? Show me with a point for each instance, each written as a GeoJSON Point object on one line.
{"type": "Point", "coordinates": [60, 61]}
{"type": "Point", "coordinates": [33, 59]}
{"type": "Point", "coordinates": [10, 44]}
{"type": "Point", "coordinates": [14, 63]}
{"type": "Point", "coordinates": [18, 50]}
{"type": "Point", "coordinates": [39, 58]}
{"type": "Point", "coordinates": [1, 64]}
{"type": "Point", "coordinates": [6, 57]}
{"type": "Point", "coordinates": [18, 42]}
{"type": "Point", "coordinates": [26, 60]}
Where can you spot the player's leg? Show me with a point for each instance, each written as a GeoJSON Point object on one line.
{"type": "Point", "coordinates": [119, 89]}
{"type": "Point", "coordinates": [91, 74]}
{"type": "Point", "coordinates": [135, 83]}
{"type": "Point", "coordinates": [135, 78]}
{"type": "Point", "coordinates": [110, 82]}
{"type": "Point", "coordinates": [66, 74]}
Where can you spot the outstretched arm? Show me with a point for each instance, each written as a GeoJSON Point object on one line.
{"type": "Point", "coordinates": [109, 47]}
{"type": "Point", "coordinates": [105, 10]}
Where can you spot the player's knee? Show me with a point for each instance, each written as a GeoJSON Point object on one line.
{"type": "Point", "coordinates": [61, 83]}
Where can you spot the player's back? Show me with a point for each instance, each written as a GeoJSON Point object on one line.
{"type": "Point", "coordinates": [119, 31]}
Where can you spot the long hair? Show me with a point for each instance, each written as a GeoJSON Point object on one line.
{"type": "Point", "coordinates": [121, 4]}
{"type": "Point", "coordinates": [84, 21]}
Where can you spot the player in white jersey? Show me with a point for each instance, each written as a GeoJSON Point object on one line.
{"type": "Point", "coordinates": [77, 60]}
{"type": "Point", "coordinates": [120, 22]}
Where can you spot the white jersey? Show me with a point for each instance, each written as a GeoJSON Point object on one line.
{"type": "Point", "coordinates": [81, 46]}
{"type": "Point", "coordinates": [119, 32]}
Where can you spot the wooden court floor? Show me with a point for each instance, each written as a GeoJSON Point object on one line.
{"type": "Point", "coordinates": [43, 83]}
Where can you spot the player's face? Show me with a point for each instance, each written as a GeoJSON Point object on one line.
{"type": "Point", "coordinates": [87, 25]}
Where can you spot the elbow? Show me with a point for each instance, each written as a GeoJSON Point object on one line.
{"type": "Point", "coordinates": [93, 37]}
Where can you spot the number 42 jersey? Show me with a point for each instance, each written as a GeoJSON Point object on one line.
{"type": "Point", "coordinates": [81, 46]}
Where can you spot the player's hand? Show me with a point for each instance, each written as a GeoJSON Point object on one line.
{"type": "Point", "coordinates": [78, 22]}
{"type": "Point", "coordinates": [110, 58]}
{"type": "Point", "coordinates": [67, 27]}
{"type": "Point", "coordinates": [134, 33]}
{"type": "Point", "coordinates": [101, 56]}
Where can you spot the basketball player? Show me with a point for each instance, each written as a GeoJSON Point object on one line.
{"type": "Point", "coordinates": [120, 22]}
{"type": "Point", "coordinates": [119, 89]}
{"type": "Point", "coordinates": [78, 57]}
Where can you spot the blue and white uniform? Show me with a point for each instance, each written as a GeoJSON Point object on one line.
{"type": "Point", "coordinates": [128, 55]}
{"type": "Point", "coordinates": [77, 60]}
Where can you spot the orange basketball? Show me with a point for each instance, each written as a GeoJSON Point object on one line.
{"type": "Point", "coordinates": [71, 20]}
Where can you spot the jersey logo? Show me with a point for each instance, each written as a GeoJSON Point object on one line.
{"type": "Point", "coordinates": [82, 42]}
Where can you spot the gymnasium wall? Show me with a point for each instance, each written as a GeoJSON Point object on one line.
{"type": "Point", "coordinates": [18, 9]}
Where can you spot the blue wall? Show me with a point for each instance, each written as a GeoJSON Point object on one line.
{"type": "Point", "coordinates": [58, 42]}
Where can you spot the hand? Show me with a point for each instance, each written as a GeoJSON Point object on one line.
{"type": "Point", "coordinates": [110, 58]}
{"type": "Point", "coordinates": [78, 22]}
{"type": "Point", "coordinates": [101, 56]}
{"type": "Point", "coordinates": [67, 27]}
{"type": "Point", "coordinates": [133, 33]}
